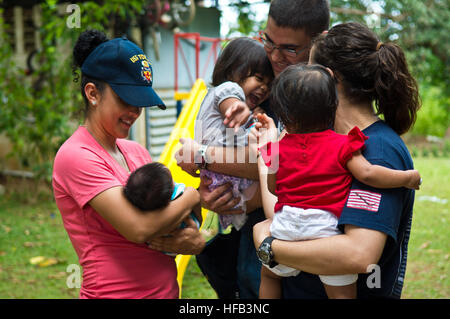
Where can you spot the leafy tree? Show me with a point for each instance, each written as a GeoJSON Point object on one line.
{"type": "Point", "coordinates": [38, 111]}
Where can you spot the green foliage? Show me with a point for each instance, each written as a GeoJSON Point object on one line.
{"type": "Point", "coordinates": [247, 24]}
{"type": "Point", "coordinates": [434, 116]}
{"type": "Point", "coordinates": [38, 110]}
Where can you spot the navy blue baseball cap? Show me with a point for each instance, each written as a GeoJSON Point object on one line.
{"type": "Point", "coordinates": [124, 66]}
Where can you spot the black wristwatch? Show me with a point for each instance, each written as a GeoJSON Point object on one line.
{"type": "Point", "coordinates": [265, 253]}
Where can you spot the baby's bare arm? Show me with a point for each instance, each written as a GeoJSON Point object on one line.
{"type": "Point", "coordinates": [382, 177]}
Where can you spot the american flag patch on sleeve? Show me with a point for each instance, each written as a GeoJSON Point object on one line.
{"type": "Point", "coordinates": [362, 199]}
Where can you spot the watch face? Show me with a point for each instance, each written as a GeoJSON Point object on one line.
{"type": "Point", "coordinates": [264, 254]}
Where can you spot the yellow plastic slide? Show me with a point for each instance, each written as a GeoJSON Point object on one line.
{"type": "Point", "coordinates": [184, 127]}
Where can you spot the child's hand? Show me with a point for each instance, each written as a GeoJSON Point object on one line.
{"type": "Point", "coordinates": [414, 180]}
{"type": "Point", "coordinates": [237, 115]}
{"type": "Point", "coordinates": [266, 121]}
{"type": "Point", "coordinates": [265, 130]}
{"type": "Point", "coordinates": [257, 110]}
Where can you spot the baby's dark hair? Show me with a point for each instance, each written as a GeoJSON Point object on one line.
{"type": "Point", "coordinates": [241, 58]}
{"type": "Point", "coordinates": [304, 98]}
{"type": "Point", "coordinates": [370, 71]}
{"type": "Point", "coordinates": [149, 187]}
{"type": "Point", "coordinates": [86, 43]}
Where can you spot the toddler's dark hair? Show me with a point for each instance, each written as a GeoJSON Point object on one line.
{"type": "Point", "coordinates": [241, 58]}
{"type": "Point", "coordinates": [86, 43]}
{"type": "Point", "coordinates": [149, 187]}
{"type": "Point", "coordinates": [304, 98]}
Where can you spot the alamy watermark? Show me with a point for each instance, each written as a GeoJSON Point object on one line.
{"type": "Point", "coordinates": [74, 278]}
{"type": "Point", "coordinates": [374, 279]}
{"type": "Point", "coordinates": [74, 19]}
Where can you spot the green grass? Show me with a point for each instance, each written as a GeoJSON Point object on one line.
{"type": "Point", "coordinates": [428, 270]}
{"type": "Point", "coordinates": [29, 230]}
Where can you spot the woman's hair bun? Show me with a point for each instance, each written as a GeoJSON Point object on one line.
{"type": "Point", "coordinates": [86, 43]}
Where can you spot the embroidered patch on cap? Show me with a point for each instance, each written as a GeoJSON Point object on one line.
{"type": "Point", "coordinates": [361, 199]}
{"type": "Point", "coordinates": [146, 72]}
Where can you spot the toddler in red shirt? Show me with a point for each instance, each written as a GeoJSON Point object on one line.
{"type": "Point", "coordinates": [311, 169]}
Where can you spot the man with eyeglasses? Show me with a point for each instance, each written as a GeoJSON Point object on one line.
{"type": "Point", "coordinates": [291, 26]}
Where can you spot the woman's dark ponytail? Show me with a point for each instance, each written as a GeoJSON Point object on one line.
{"type": "Point", "coordinates": [370, 71]}
{"type": "Point", "coordinates": [397, 93]}
{"type": "Point", "coordinates": [86, 43]}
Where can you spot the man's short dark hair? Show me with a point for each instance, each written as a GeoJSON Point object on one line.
{"type": "Point", "coordinates": [149, 187]}
{"type": "Point", "coordinates": [311, 15]}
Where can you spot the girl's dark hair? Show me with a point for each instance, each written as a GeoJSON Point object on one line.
{"type": "Point", "coordinates": [311, 15]}
{"type": "Point", "coordinates": [370, 71]}
{"type": "Point", "coordinates": [149, 187]}
{"type": "Point", "coordinates": [304, 98]}
{"type": "Point", "coordinates": [86, 43]}
{"type": "Point", "coordinates": [241, 58]}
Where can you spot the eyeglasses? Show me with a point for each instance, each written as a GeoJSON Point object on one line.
{"type": "Point", "coordinates": [290, 52]}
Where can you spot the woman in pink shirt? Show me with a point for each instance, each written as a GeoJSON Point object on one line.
{"type": "Point", "coordinates": [109, 234]}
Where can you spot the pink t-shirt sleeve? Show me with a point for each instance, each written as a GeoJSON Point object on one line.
{"type": "Point", "coordinates": [85, 174]}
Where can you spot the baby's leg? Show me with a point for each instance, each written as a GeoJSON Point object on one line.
{"type": "Point", "coordinates": [340, 286]}
{"type": "Point", "coordinates": [270, 287]}
{"type": "Point", "coordinates": [341, 292]}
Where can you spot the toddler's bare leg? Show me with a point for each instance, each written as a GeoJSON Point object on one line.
{"type": "Point", "coordinates": [270, 287]}
{"type": "Point", "coordinates": [341, 292]}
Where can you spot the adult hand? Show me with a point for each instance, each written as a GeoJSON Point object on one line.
{"type": "Point", "coordinates": [186, 154]}
{"type": "Point", "coordinates": [186, 241]}
{"type": "Point", "coordinates": [261, 231]}
{"type": "Point", "coordinates": [219, 200]}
